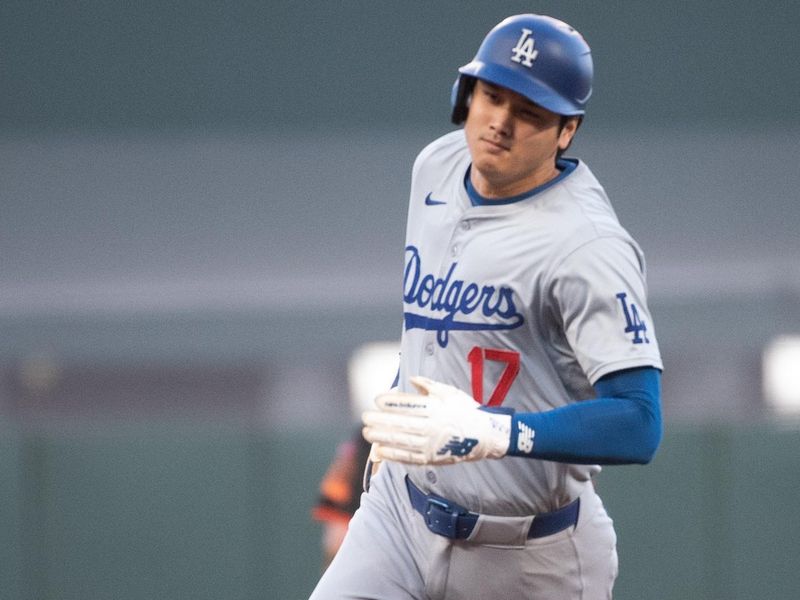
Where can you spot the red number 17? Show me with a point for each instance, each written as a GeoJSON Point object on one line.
{"type": "Point", "coordinates": [477, 356]}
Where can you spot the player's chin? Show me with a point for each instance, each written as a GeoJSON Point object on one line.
{"type": "Point", "coordinates": [491, 166]}
{"type": "Point", "coordinates": [497, 175]}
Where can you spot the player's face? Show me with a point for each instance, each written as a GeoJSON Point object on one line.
{"type": "Point", "coordinates": [513, 142]}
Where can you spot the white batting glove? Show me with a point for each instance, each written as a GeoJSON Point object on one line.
{"type": "Point", "coordinates": [439, 425]}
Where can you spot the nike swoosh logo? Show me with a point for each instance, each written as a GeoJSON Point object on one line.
{"type": "Point", "coordinates": [431, 202]}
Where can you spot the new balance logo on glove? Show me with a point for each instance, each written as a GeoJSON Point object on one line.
{"type": "Point", "coordinates": [458, 446]}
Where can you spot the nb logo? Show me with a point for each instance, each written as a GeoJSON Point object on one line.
{"type": "Point", "coordinates": [524, 438]}
{"type": "Point", "coordinates": [458, 447]}
{"type": "Point", "coordinates": [524, 53]}
{"type": "Point", "coordinates": [633, 323]}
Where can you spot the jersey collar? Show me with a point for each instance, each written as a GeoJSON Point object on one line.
{"type": "Point", "coordinates": [565, 165]}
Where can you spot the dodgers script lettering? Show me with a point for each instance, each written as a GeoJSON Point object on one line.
{"type": "Point", "coordinates": [452, 298]}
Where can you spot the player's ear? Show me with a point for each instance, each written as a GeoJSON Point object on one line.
{"type": "Point", "coordinates": [568, 128]}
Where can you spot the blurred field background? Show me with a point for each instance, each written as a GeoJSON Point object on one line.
{"type": "Point", "coordinates": [202, 212]}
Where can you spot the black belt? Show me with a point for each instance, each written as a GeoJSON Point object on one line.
{"type": "Point", "coordinates": [447, 518]}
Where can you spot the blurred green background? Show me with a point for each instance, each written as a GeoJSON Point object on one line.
{"type": "Point", "coordinates": [202, 210]}
{"type": "Point", "coordinates": [218, 512]}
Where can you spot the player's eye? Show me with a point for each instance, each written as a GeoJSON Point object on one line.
{"type": "Point", "coordinates": [492, 95]}
{"type": "Point", "coordinates": [529, 114]}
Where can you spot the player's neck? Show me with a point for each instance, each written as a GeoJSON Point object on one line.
{"type": "Point", "coordinates": [496, 188]}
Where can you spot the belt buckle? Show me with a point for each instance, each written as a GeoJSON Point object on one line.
{"type": "Point", "coordinates": [441, 518]}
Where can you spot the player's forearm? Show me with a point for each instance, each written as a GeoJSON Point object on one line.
{"type": "Point", "coordinates": [621, 426]}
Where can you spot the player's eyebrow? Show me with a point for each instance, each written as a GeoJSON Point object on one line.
{"type": "Point", "coordinates": [527, 103]}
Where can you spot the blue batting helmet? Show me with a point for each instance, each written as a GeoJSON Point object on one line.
{"type": "Point", "coordinates": [541, 58]}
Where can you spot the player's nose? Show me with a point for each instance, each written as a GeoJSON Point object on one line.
{"type": "Point", "coordinates": [501, 120]}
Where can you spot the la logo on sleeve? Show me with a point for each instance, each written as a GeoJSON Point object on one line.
{"type": "Point", "coordinates": [633, 322]}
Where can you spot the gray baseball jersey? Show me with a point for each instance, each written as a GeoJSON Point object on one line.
{"type": "Point", "coordinates": [523, 303]}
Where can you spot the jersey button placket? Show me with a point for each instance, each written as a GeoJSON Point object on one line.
{"type": "Point", "coordinates": [428, 351]}
{"type": "Point", "coordinates": [456, 242]}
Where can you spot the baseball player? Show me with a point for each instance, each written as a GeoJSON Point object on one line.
{"type": "Point", "coordinates": [339, 493]}
{"type": "Point", "coordinates": [528, 355]}
{"type": "Point", "coordinates": [369, 368]}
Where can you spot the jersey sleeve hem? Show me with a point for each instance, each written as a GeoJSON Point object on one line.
{"type": "Point", "coordinates": [629, 363]}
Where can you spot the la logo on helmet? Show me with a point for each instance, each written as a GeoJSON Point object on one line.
{"type": "Point", "coordinates": [524, 52]}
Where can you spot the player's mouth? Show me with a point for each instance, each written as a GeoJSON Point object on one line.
{"type": "Point", "coordinates": [495, 145]}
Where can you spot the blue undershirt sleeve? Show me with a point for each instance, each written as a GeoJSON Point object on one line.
{"type": "Point", "coordinates": [622, 425]}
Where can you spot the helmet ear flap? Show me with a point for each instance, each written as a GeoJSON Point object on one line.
{"type": "Point", "coordinates": [459, 98]}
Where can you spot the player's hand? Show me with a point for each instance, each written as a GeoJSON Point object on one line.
{"type": "Point", "coordinates": [439, 425]}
